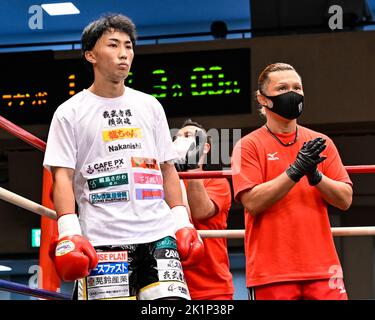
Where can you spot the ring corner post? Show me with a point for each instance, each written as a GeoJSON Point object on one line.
{"type": "Point", "coordinates": [48, 278]}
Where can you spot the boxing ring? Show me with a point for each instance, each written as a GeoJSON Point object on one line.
{"type": "Point", "coordinates": [49, 282]}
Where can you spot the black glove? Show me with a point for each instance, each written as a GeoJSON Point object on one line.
{"type": "Point", "coordinates": [314, 176]}
{"type": "Point", "coordinates": [194, 154]}
{"type": "Point", "coordinates": [307, 161]}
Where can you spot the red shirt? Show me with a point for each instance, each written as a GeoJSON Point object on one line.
{"type": "Point", "coordinates": [291, 240]}
{"type": "Point", "coordinates": [212, 276]}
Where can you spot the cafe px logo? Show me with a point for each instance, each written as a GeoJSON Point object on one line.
{"type": "Point", "coordinates": [36, 18]}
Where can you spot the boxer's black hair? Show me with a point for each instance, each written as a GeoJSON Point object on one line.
{"type": "Point", "coordinates": [115, 22]}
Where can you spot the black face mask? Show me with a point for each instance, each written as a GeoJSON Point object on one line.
{"type": "Point", "coordinates": [288, 105]}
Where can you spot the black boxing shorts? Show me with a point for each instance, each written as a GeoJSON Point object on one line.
{"type": "Point", "coordinates": [146, 271]}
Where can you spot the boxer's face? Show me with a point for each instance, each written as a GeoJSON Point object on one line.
{"type": "Point", "coordinates": [112, 55]}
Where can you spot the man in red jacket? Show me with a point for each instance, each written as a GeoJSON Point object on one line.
{"type": "Point", "coordinates": [209, 201]}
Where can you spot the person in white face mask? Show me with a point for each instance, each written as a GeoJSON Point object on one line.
{"type": "Point", "coordinates": [209, 201]}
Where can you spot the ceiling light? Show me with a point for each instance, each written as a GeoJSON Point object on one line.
{"type": "Point", "coordinates": [56, 9]}
{"type": "Point", "coordinates": [5, 268]}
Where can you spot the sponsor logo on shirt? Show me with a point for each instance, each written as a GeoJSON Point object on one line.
{"type": "Point", "coordinates": [122, 133]}
{"type": "Point", "coordinates": [109, 181]}
{"type": "Point", "coordinates": [272, 156]}
{"type": "Point", "coordinates": [149, 194]}
{"type": "Point", "coordinates": [106, 197]}
{"type": "Point", "coordinates": [147, 178]}
{"type": "Point", "coordinates": [125, 146]}
{"type": "Point", "coordinates": [116, 118]}
{"type": "Point", "coordinates": [146, 163]}
{"type": "Point", "coordinates": [105, 166]}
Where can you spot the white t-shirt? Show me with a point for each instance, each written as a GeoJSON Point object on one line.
{"type": "Point", "coordinates": [115, 146]}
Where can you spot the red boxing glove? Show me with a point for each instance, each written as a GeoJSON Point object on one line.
{"type": "Point", "coordinates": [189, 243]}
{"type": "Point", "coordinates": [73, 255]}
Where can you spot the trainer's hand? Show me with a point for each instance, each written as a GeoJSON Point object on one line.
{"type": "Point", "coordinates": [307, 161]}
{"type": "Point", "coordinates": [194, 153]}
{"type": "Point", "coordinates": [189, 243]}
{"type": "Point", "coordinates": [315, 176]}
{"type": "Point", "coordinates": [73, 255]}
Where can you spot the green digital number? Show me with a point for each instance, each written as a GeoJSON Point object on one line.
{"type": "Point", "coordinates": [159, 90]}
{"type": "Point", "coordinates": [211, 81]}
{"type": "Point", "coordinates": [204, 81]}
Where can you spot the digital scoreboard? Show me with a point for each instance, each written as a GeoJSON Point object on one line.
{"type": "Point", "coordinates": [187, 84]}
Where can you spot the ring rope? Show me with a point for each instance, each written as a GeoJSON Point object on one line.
{"type": "Point", "coordinates": [27, 204]}
{"type": "Point", "coordinates": [336, 231]}
{"type": "Point", "coordinates": [360, 169]}
{"type": "Point", "coordinates": [39, 293]}
{"type": "Point", "coordinates": [24, 135]}
{"type": "Point", "coordinates": [43, 211]}
{"type": "Point", "coordinates": [41, 145]}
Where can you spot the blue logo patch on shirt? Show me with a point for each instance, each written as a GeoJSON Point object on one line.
{"type": "Point", "coordinates": [105, 197]}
